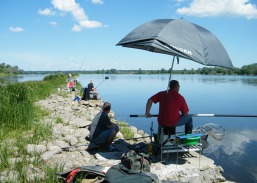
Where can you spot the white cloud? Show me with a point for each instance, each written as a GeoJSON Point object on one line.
{"type": "Point", "coordinates": [53, 24]}
{"type": "Point", "coordinates": [65, 5]}
{"type": "Point", "coordinates": [46, 11]}
{"type": "Point", "coordinates": [16, 29]}
{"type": "Point", "coordinates": [90, 24]}
{"type": "Point", "coordinates": [76, 28]}
{"type": "Point", "coordinates": [204, 8]}
{"type": "Point", "coordinates": [97, 2]}
{"type": "Point", "coordinates": [233, 142]}
{"type": "Point", "coordinates": [78, 13]}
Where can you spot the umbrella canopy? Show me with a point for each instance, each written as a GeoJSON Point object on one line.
{"type": "Point", "coordinates": [179, 38]}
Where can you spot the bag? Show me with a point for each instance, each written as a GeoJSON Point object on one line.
{"type": "Point", "coordinates": [120, 174]}
{"type": "Point", "coordinates": [136, 161]}
{"type": "Point", "coordinates": [87, 174]}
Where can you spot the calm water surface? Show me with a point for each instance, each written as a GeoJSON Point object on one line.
{"type": "Point", "coordinates": [236, 153]}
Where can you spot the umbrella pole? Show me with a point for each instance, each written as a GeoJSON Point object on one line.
{"type": "Point", "coordinates": [160, 144]}
{"type": "Point", "coordinates": [171, 68]}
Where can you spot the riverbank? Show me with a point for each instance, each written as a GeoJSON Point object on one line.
{"type": "Point", "coordinates": [67, 121]}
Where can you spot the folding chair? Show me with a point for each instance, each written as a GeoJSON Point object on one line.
{"type": "Point", "coordinates": [174, 141]}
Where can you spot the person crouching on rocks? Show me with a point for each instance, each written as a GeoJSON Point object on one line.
{"type": "Point", "coordinates": [102, 130]}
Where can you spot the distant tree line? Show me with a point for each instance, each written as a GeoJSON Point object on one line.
{"type": "Point", "coordinates": [245, 70]}
{"type": "Point", "coordinates": [8, 69]}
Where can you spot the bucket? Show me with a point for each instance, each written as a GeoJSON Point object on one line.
{"type": "Point", "coordinates": [189, 140]}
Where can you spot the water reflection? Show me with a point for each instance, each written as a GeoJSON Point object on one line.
{"type": "Point", "coordinates": [250, 81]}
{"type": "Point", "coordinates": [204, 94]}
{"type": "Point", "coordinates": [233, 142]}
{"type": "Point", "coordinates": [246, 80]}
{"type": "Point", "coordinates": [236, 152]}
{"type": "Point", "coordinates": [9, 79]}
{"type": "Point", "coordinates": [21, 78]}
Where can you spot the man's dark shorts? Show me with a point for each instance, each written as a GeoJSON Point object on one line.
{"type": "Point", "coordinates": [102, 137]}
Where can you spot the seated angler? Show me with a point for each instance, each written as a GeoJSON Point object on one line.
{"type": "Point", "coordinates": [173, 109]}
{"type": "Point", "coordinates": [102, 130]}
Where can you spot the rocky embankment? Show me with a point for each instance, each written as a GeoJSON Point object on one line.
{"type": "Point", "coordinates": [68, 147]}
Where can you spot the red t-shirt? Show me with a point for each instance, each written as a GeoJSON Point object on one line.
{"type": "Point", "coordinates": [171, 104]}
{"type": "Point", "coordinates": [71, 84]}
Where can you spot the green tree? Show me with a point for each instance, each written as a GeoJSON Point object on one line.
{"type": "Point", "coordinates": [163, 71]}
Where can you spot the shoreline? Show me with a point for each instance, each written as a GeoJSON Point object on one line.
{"type": "Point", "coordinates": [67, 119]}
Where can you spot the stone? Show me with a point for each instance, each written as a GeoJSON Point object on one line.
{"type": "Point", "coordinates": [61, 143]}
{"type": "Point", "coordinates": [47, 155]}
{"type": "Point", "coordinates": [7, 176]}
{"type": "Point", "coordinates": [54, 149]}
{"type": "Point", "coordinates": [133, 129]}
{"type": "Point", "coordinates": [71, 140]}
{"type": "Point", "coordinates": [79, 152]}
{"type": "Point", "coordinates": [119, 135]}
{"type": "Point", "coordinates": [137, 136]}
{"type": "Point", "coordinates": [32, 148]}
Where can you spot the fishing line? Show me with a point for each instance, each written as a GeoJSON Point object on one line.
{"type": "Point", "coordinates": [82, 63]}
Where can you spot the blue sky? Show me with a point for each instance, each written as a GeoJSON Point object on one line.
{"type": "Point", "coordinates": [38, 35]}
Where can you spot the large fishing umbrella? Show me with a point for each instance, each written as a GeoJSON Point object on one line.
{"type": "Point", "coordinates": [183, 39]}
{"type": "Point", "coordinates": [179, 38]}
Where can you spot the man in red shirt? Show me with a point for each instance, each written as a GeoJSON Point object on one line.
{"type": "Point", "coordinates": [173, 109]}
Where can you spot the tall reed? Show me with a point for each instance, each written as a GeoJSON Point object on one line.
{"type": "Point", "coordinates": [17, 108]}
{"type": "Point", "coordinates": [19, 126]}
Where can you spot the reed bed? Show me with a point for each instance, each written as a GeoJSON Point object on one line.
{"type": "Point", "coordinates": [17, 108]}
{"type": "Point", "coordinates": [20, 125]}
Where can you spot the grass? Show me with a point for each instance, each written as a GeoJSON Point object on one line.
{"type": "Point", "coordinates": [59, 120]}
{"type": "Point", "coordinates": [125, 130]}
{"type": "Point", "coordinates": [17, 107]}
{"type": "Point", "coordinates": [20, 124]}
{"type": "Point", "coordinates": [41, 132]}
{"type": "Point", "coordinates": [5, 152]}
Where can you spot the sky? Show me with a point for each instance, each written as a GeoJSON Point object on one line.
{"type": "Point", "coordinates": [50, 35]}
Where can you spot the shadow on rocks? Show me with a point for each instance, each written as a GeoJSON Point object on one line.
{"type": "Point", "coordinates": [121, 145]}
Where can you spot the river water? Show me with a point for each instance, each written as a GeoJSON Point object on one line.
{"type": "Point", "coordinates": [234, 95]}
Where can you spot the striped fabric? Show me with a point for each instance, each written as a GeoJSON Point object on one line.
{"type": "Point", "coordinates": [94, 124]}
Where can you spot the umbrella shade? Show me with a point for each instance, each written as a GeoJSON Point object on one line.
{"type": "Point", "coordinates": [179, 38]}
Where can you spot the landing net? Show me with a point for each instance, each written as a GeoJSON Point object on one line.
{"type": "Point", "coordinates": [214, 130]}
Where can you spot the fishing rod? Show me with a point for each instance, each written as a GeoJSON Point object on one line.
{"type": "Point", "coordinates": [203, 115]}
{"type": "Point", "coordinates": [76, 146]}
{"type": "Point", "coordinates": [105, 78]}
{"type": "Point", "coordinates": [138, 138]}
{"type": "Point", "coordinates": [82, 63]}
